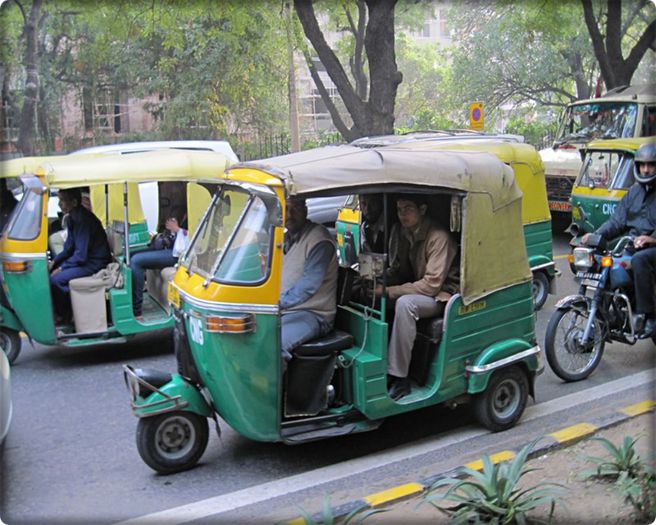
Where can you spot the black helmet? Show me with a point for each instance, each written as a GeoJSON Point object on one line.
{"type": "Point", "coordinates": [645, 153]}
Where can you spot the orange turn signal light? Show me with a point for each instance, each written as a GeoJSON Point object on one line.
{"type": "Point", "coordinates": [221, 324]}
{"type": "Point", "coordinates": [570, 258]}
{"type": "Point", "coordinates": [15, 266]}
{"type": "Point", "coordinates": [606, 262]}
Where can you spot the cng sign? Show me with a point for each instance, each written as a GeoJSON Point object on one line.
{"type": "Point", "coordinates": [476, 116]}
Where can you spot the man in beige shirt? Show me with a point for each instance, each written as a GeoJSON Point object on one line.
{"type": "Point", "coordinates": [423, 276]}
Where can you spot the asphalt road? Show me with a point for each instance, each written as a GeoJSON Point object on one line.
{"type": "Point", "coordinates": [71, 456]}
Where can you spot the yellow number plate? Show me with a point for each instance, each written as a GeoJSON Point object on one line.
{"type": "Point", "coordinates": [174, 296]}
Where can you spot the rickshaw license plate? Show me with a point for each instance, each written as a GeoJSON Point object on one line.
{"type": "Point", "coordinates": [174, 296]}
{"type": "Point", "coordinates": [588, 275]}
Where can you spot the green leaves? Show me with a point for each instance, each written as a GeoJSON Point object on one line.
{"type": "Point", "coordinates": [493, 495]}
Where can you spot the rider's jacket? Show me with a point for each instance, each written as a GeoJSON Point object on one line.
{"type": "Point", "coordinates": [635, 214]}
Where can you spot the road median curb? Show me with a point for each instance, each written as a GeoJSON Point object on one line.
{"type": "Point", "coordinates": [547, 443]}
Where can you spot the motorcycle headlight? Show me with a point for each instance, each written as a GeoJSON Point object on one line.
{"type": "Point", "coordinates": [583, 259]}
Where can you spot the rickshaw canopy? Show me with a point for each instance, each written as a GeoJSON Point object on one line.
{"type": "Point", "coordinates": [493, 255]}
{"type": "Point", "coordinates": [631, 144]}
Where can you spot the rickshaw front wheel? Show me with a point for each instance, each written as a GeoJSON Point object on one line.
{"type": "Point", "coordinates": [504, 399]}
{"type": "Point", "coordinates": [10, 342]}
{"type": "Point", "coordinates": [540, 290]}
{"type": "Point", "coordinates": [173, 441]}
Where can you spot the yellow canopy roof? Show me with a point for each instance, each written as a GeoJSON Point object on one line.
{"type": "Point", "coordinates": [619, 144]}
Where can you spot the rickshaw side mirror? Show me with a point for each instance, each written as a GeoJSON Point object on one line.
{"type": "Point", "coordinates": [350, 252]}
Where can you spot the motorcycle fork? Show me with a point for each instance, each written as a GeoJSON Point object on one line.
{"type": "Point", "coordinates": [596, 301]}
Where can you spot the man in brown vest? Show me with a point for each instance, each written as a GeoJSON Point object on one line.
{"type": "Point", "coordinates": [309, 279]}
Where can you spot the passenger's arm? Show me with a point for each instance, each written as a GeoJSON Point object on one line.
{"type": "Point", "coordinates": [314, 272]}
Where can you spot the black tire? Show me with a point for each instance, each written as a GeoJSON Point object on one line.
{"type": "Point", "coordinates": [10, 342]}
{"type": "Point", "coordinates": [172, 442]}
{"type": "Point", "coordinates": [567, 358]}
{"type": "Point", "coordinates": [540, 289]}
{"type": "Point", "coordinates": [504, 399]}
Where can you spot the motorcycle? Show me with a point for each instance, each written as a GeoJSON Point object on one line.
{"type": "Point", "coordinates": [602, 311]}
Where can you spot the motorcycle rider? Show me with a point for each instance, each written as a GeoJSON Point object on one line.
{"type": "Point", "coordinates": [635, 215]}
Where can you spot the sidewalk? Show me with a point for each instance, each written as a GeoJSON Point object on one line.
{"type": "Point", "coordinates": [560, 457]}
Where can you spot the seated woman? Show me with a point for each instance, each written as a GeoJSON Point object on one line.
{"type": "Point", "coordinates": [164, 252]}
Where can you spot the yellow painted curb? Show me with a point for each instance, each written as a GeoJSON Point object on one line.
{"type": "Point", "coordinates": [394, 494]}
{"type": "Point", "coordinates": [297, 521]}
{"type": "Point", "coordinates": [573, 433]}
{"type": "Point", "coordinates": [638, 408]}
{"type": "Point", "coordinates": [564, 256]}
{"type": "Point", "coordinates": [496, 458]}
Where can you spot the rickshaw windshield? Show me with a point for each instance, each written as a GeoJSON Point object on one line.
{"type": "Point", "coordinates": [606, 170]}
{"type": "Point", "coordinates": [234, 239]}
{"type": "Point", "coordinates": [599, 120]}
{"type": "Point", "coordinates": [25, 221]}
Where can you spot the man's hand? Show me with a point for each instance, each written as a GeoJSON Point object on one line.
{"type": "Point", "coordinates": [643, 241]}
{"type": "Point", "coordinates": [50, 265]}
{"type": "Point", "coordinates": [584, 239]}
{"type": "Point", "coordinates": [172, 225]}
{"type": "Point", "coordinates": [378, 292]}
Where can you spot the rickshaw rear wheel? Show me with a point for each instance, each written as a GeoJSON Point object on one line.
{"type": "Point", "coordinates": [173, 441]}
{"type": "Point", "coordinates": [504, 399]}
{"type": "Point", "coordinates": [10, 342]}
{"type": "Point", "coordinates": [540, 290]}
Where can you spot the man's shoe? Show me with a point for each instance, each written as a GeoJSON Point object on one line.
{"type": "Point", "coordinates": [638, 323]}
{"type": "Point", "coordinates": [400, 387]}
{"type": "Point", "coordinates": [649, 329]}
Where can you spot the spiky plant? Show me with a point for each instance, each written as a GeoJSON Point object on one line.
{"type": "Point", "coordinates": [356, 516]}
{"type": "Point", "coordinates": [623, 458]}
{"type": "Point", "coordinates": [493, 495]}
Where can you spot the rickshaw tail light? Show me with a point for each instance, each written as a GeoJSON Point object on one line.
{"type": "Point", "coordinates": [606, 262]}
{"type": "Point", "coordinates": [15, 266]}
{"type": "Point", "coordinates": [241, 324]}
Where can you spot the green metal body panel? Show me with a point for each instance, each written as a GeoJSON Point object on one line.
{"type": "Point", "coordinates": [597, 209]}
{"type": "Point", "coordinates": [241, 371]}
{"type": "Point", "coordinates": [138, 236]}
{"type": "Point", "coordinates": [29, 296]}
{"type": "Point", "coordinates": [505, 315]}
{"type": "Point", "coordinates": [157, 403]}
{"type": "Point", "coordinates": [478, 382]}
{"type": "Point", "coordinates": [539, 245]}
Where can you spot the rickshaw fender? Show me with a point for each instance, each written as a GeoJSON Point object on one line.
{"type": "Point", "coordinates": [177, 394]}
{"type": "Point", "coordinates": [8, 319]}
{"type": "Point", "coordinates": [499, 355]}
{"type": "Point", "coordinates": [572, 300]}
{"type": "Point", "coordinates": [540, 262]}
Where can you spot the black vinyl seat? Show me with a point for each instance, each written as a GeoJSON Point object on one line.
{"type": "Point", "coordinates": [332, 343]}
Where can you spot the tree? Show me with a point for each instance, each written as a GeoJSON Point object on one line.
{"type": "Point", "coordinates": [371, 107]}
{"type": "Point", "coordinates": [632, 29]}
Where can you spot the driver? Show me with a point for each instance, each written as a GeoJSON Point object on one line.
{"type": "Point", "coordinates": [635, 215]}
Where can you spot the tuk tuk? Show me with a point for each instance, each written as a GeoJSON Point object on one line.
{"type": "Point", "coordinates": [529, 176]}
{"type": "Point", "coordinates": [225, 297]}
{"type": "Point", "coordinates": [102, 303]}
{"type": "Point", "coordinates": [605, 177]}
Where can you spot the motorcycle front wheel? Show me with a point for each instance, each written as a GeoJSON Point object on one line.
{"type": "Point", "coordinates": [568, 358]}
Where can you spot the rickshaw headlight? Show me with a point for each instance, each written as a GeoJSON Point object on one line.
{"type": "Point", "coordinates": [583, 259]}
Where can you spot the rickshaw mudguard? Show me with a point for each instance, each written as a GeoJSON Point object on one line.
{"type": "Point", "coordinates": [177, 394]}
{"type": "Point", "coordinates": [499, 355]}
{"type": "Point", "coordinates": [9, 320]}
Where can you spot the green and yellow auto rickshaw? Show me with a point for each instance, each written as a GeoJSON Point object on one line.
{"type": "Point", "coordinates": [225, 296]}
{"type": "Point", "coordinates": [529, 176]}
{"type": "Point", "coordinates": [102, 304]}
{"type": "Point", "coordinates": [605, 177]}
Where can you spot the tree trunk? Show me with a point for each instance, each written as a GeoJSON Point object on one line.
{"type": "Point", "coordinates": [376, 115]}
{"type": "Point", "coordinates": [615, 69]}
{"type": "Point", "coordinates": [28, 121]}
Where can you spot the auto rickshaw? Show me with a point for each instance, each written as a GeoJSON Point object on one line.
{"type": "Point", "coordinates": [605, 177]}
{"type": "Point", "coordinates": [225, 297]}
{"type": "Point", "coordinates": [529, 175]}
{"type": "Point", "coordinates": [102, 304]}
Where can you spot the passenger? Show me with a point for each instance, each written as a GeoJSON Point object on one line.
{"type": "Point", "coordinates": [165, 250]}
{"type": "Point", "coordinates": [57, 240]}
{"type": "Point", "coordinates": [372, 238]}
{"type": "Point", "coordinates": [7, 203]}
{"type": "Point", "coordinates": [85, 252]}
{"type": "Point", "coordinates": [636, 215]}
{"type": "Point", "coordinates": [309, 279]}
{"type": "Point", "coordinates": [423, 276]}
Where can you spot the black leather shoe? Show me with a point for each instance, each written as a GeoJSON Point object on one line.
{"type": "Point", "coordinates": [649, 329]}
{"type": "Point", "coordinates": [638, 323]}
{"type": "Point", "coordinates": [400, 387]}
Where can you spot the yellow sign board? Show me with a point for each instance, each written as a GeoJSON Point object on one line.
{"type": "Point", "coordinates": [476, 116]}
